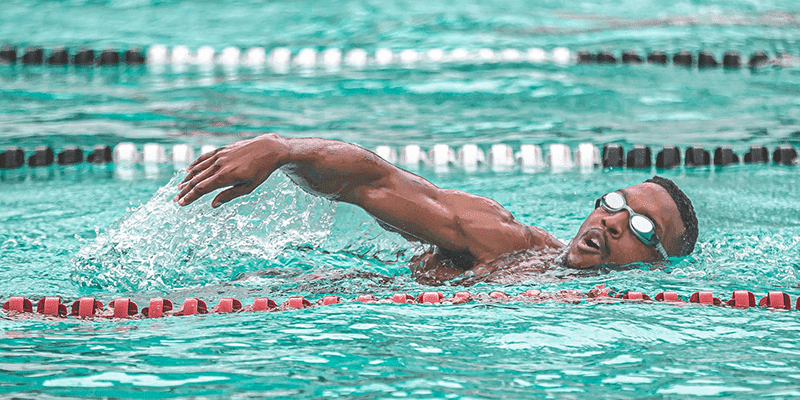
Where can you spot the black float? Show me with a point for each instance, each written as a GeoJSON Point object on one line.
{"type": "Point", "coordinates": [8, 55]}
{"type": "Point", "coordinates": [724, 155]}
{"type": "Point", "coordinates": [109, 57]}
{"type": "Point", "coordinates": [732, 59]}
{"type": "Point", "coordinates": [631, 57]}
{"type": "Point", "coordinates": [84, 57]}
{"type": "Point", "coordinates": [706, 60]}
{"type": "Point", "coordinates": [13, 157]}
{"type": "Point", "coordinates": [657, 57]}
{"type": "Point", "coordinates": [613, 156]}
{"type": "Point", "coordinates": [585, 57]}
{"type": "Point", "coordinates": [59, 56]}
{"type": "Point", "coordinates": [101, 154]}
{"type": "Point", "coordinates": [756, 155]}
{"type": "Point", "coordinates": [785, 155]}
{"type": "Point", "coordinates": [134, 56]}
{"type": "Point", "coordinates": [34, 55]}
{"type": "Point", "coordinates": [668, 157]}
{"type": "Point", "coordinates": [605, 57]}
{"type": "Point", "coordinates": [697, 156]}
{"type": "Point", "coordinates": [683, 59]}
{"type": "Point", "coordinates": [639, 157]}
{"type": "Point", "coordinates": [41, 157]}
{"type": "Point", "coordinates": [758, 59]}
{"type": "Point", "coordinates": [70, 155]}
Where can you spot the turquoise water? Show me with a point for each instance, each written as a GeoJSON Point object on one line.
{"type": "Point", "coordinates": [108, 231]}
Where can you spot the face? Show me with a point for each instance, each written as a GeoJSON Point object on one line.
{"type": "Point", "coordinates": [606, 238]}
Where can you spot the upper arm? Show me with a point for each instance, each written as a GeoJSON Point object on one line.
{"type": "Point", "coordinates": [451, 219]}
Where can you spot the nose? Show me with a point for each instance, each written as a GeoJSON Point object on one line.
{"type": "Point", "coordinates": [615, 223]}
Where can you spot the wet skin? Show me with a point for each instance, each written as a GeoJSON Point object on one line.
{"type": "Point", "coordinates": [468, 232]}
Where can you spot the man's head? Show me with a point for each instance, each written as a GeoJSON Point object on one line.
{"type": "Point", "coordinates": [606, 237]}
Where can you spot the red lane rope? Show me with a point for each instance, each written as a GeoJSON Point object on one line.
{"type": "Point", "coordinates": [120, 308]}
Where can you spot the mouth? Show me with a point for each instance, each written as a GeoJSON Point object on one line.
{"type": "Point", "coordinates": [593, 242]}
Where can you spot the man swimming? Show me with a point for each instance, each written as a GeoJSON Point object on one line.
{"type": "Point", "coordinates": [646, 222]}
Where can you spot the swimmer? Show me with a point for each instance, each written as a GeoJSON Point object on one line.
{"type": "Point", "coordinates": [647, 222]}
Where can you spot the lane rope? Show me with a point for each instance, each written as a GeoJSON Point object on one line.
{"type": "Point", "coordinates": [282, 58]}
{"type": "Point", "coordinates": [469, 157]}
{"type": "Point", "coordinates": [158, 307]}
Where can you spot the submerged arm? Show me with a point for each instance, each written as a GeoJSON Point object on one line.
{"type": "Point", "coordinates": [407, 203]}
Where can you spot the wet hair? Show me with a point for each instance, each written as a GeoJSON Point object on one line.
{"type": "Point", "coordinates": [686, 209]}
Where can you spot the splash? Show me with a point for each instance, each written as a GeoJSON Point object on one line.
{"type": "Point", "coordinates": [160, 245]}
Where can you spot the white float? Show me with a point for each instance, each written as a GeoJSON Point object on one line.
{"type": "Point", "coordinates": [205, 56]}
{"type": "Point", "coordinates": [587, 157]}
{"type": "Point", "coordinates": [412, 155]}
{"type": "Point", "coordinates": [157, 54]}
{"type": "Point", "coordinates": [356, 58]}
{"type": "Point", "coordinates": [306, 58]}
{"type": "Point", "coordinates": [125, 153]}
{"type": "Point", "coordinates": [154, 153]}
{"type": "Point", "coordinates": [182, 155]}
{"type": "Point", "coordinates": [536, 55]}
{"type": "Point", "coordinates": [181, 55]}
{"type": "Point", "coordinates": [207, 148]}
{"type": "Point", "coordinates": [332, 59]}
{"type": "Point", "coordinates": [255, 57]}
{"type": "Point", "coordinates": [530, 157]}
{"type": "Point", "coordinates": [230, 56]}
{"type": "Point", "coordinates": [501, 157]}
{"type": "Point", "coordinates": [559, 158]}
{"type": "Point", "coordinates": [383, 57]}
{"type": "Point", "coordinates": [470, 156]}
{"type": "Point", "coordinates": [387, 153]}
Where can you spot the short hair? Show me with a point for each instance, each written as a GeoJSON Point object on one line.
{"type": "Point", "coordinates": [686, 209]}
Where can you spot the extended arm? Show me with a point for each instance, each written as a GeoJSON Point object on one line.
{"type": "Point", "coordinates": [451, 219]}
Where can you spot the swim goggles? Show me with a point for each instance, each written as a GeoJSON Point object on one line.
{"type": "Point", "coordinates": [642, 227]}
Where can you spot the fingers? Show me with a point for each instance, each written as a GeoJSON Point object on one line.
{"type": "Point", "coordinates": [203, 158]}
{"type": "Point", "coordinates": [198, 168]}
{"type": "Point", "coordinates": [199, 177]}
{"type": "Point", "coordinates": [231, 193]}
{"type": "Point", "coordinates": [194, 192]}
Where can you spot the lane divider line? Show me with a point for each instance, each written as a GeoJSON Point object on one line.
{"type": "Point", "coordinates": [124, 308]}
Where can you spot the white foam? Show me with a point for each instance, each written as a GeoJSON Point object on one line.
{"type": "Point", "coordinates": [230, 56]}
{"type": "Point", "coordinates": [412, 155]}
{"type": "Point", "coordinates": [356, 58]}
{"type": "Point", "coordinates": [154, 153]}
{"type": "Point", "coordinates": [157, 54]}
{"type": "Point", "coordinates": [306, 58]}
{"type": "Point", "coordinates": [529, 157]}
{"type": "Point", "coordinates": [205, 56]}
{"type": "Point", "coordinates": [536, 55]}
{"type": "Point", "coordinates": [254, 57]}
{"type": "Point", "coordinates": [561, 55]}
{"type": "Point", "coordinates": [383, 57]}
{"type": "Point", "coordinates": [470, 156]}
{"type": "Point", "coordinates": [181, 55]}
{"type": "Point", "coordinates": [125, 153]}
{"type": "Point", "coordinates": [501, 157]}
{"type": "Point", "coordinates": [559, 158]}
{"type": "Point", "coordinates": [182, 155]}
{"type": "Point", "coordinates": [332, 58]}
{"type": "Point", "coordinates": [387, 153]}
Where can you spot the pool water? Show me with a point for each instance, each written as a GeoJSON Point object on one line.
{"type": "Point", "coordinates": [110, 231]}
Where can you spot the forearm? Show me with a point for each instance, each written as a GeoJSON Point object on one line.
{"type": "Point", "coordinates": [334, 169]}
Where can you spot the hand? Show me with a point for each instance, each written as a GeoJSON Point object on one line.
{"type": "Point", "coordinates": [240, 166]}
